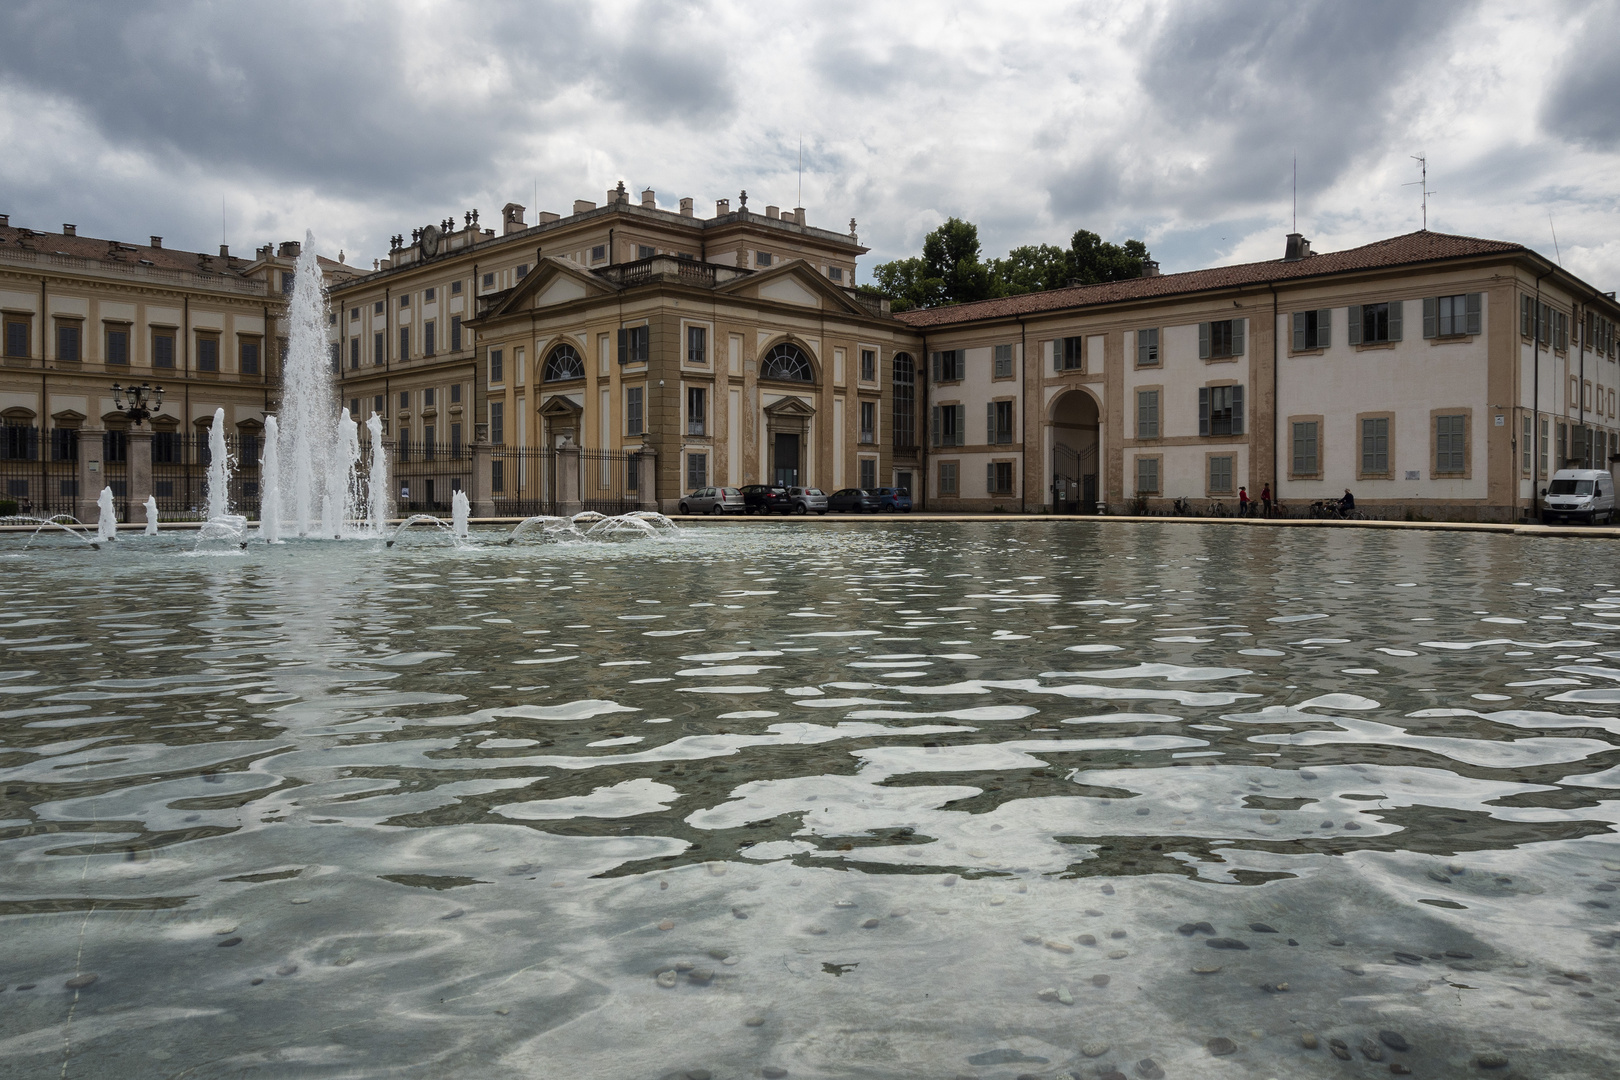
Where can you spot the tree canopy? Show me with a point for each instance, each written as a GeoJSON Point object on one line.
{"type": "Point", "coordinates": [950, 270]}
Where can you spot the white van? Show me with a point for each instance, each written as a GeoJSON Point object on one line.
{"type": "Point", "coordinates": [1579, 495]}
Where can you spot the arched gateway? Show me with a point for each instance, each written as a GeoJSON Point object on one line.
{"type": "Point", "coordinates": [1076, 450]}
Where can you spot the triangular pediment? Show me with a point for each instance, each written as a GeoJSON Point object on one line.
{"type": "Point", "coordinates": [795, 282]}
{"type": "Point", "coordinates": [789, 406]}
{"type": "Point", "coordinates": [552, 281]}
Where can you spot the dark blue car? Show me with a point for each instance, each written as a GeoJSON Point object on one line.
{"type": "Point", "coordinates": [894, 500]}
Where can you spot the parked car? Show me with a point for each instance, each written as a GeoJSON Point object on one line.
{"type": "Point", "coordinates": [713, 500]}
{"type": "Point", "coordinates": [766, 499]}
{"type": "Point", "coordinates": [854, 500]}
{"type": "Point", "coordinates": [807, 500]}
{"type": "Point", "coordinates": [895, 500]}
{"type": "Point", "coordinates": [1579, 495]}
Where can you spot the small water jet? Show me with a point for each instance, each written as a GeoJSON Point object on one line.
{"type": "Point", "coordinates": [107, 521]}
{"type": "Point", "coordinates": [460, 510]}
{"type": "Point", "coordinates": [151, 515]}
{"type": "Point", "coordinates": [270, 469]}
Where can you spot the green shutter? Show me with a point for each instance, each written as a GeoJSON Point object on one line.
{"type": "Point", "coordinates": [1299, 331]}
{"type": "Point", "coordinates": [1353, 323]}
{"type": "Point", "coordinates": [624, 346]}
{"type": "Point", "coordinates": [1057, 354]}
{"type": "Point", "coordinates": [1324, 328]}
{"type": "Point", "coordinates": [990, 422]}
{"type": "Point", "coordinates": [1237, 410]}
{"type": "Point", "coordinates": [1203, 406]}
{"type": "Point", "coordinates": [961, 425]}
{"type": "Point", "coordinates": [1396, 313]}
{"type": "Point", "coordinates": [934, 360]}
{"type": "Point", "coordinates": [1524, 315]}
{"type": "Point", "coordinates": [1141, 348]}
{"type": "Point", "coordinates": [1203, 341]}
{"type": "Point", "coordinates": [1237, 336]}
{"type": "Point", "coordinates": [1431, 316]}
{"type": "Point", "coordinates": [990, 477]}
{"type": "Point", "coordinates": [934, 427]}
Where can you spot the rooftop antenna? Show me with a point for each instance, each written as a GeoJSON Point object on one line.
{"type": "Point", "coordinates": [1296, 193]}
{"type": "Point", "coordinates": [800, 201]}
{"type": "Point", "coordinates": [1554, 229]}
{"type": "Point", "coordinates": [1423, 163]}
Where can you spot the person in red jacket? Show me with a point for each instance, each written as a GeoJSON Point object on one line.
{"type": "Point", "coordinates": [1265, 501]}
{"type": "Point", "coordinates": [1244, 502]}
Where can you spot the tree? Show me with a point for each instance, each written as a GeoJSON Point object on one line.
{"type": "Point", "coordinates": [907, 285]}
{"type": "Point", "coordinates": [951, 253]}
{"type": "Point", "coordinates": [1030, 268]}
{"type": "Point", "coordinates": [1093, 260]}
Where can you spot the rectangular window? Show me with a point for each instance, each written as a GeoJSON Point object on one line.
{"type": "Point", "coordinates": [455, 394]}
{"type": "Point", "coordinates": [634, 424]}
{"type": "Point", "coordinates": [1067, 354]}
{"type": "Point", "coordinates": [1563, 446]}
{"type": "Point", "coordinates": [65, 444]}
{"type": "Point", "coordinates": [697, 345]}
{"type": "Point", "coordinates": [405, 301]}
{"type": "Point", "coordinates": [18, 332]}
{"type": "Point", "coordinates": [998, 422]}
{"type": "Point", "coordinates": [455, 288]}
{"type": "Point", "coordinates": [1147, 476]}
{"type": "Point", "coordinates": [868, 365]}
{"type": "Point", "coordinates": [428, 333]}
{"type": "Point", "coordinates": [950, 422]}
{"type": "Point", "coordinates": [354, 408]}
{"type": "Point", "coordinates": [497, 422]}
{"type": "Point", "coordinates": [762, 258]}
{"type": "Point", "coordinates": [249, 357]}
{"type": "Point", "coordinates": [489, 281]}
{"type": "Point", "coordinates": [429, 295]}
{"type": "Point", "coordinates": [1526, 439]}
{"type": "Point", "coordinates": [404, 400]}
{"type": "Point", "coordinates": [1305, 443]}
{"type": "Point", "coordinates": [697, 471]}
{"type": "Point", "coordinates": [379, 354]}
{"type": "Point", "coordinates": [497, 475]}
{"type": "Point", "coordinates": [998, 479]}
{"type": "Point", "coordinates": [163, 348]}
{"type": "Point", "coordinates": [1314, 329]}
{"type": "Point", "coordinates": [429, 398]}
{"type": "Point", "coordinates": [868, 422]}
{"type": "Point", "coordinates": [836, 273]}
{"type": "Point", "coordinates": [644, 251]}
{"type": "Point", "coordinates": [497, 373]}
{"type": "Point", "coordinates": [455, 333]}
{"type": "Point", "coordinates": [207, 353]}
{"type": "Point", "coordinates": [1220, 340]}
{"type": "Point", "coordinates": [948, 366]}
{"type": "Point", "coordinates": [1147, 355]}
{"type": "Point", "coordinates": [404, 343]}
{"type": "Point", "coordinates": [635, 344]}
{"type": "Point", "coordinates": [67, 342]}
{"type": "Point", "coordinates": [354, 352]}
{"type": "Point", "coordinates": [428, 440]}
{"type": "Point", "coordinates": [696, 411]}
{"type": "Point", "coordinates": [1454, 316]}
{"type": "Point", "coordinates": [1220, 473]}
{"type": "Point", "coordinates": [455, 440]}
{"type": "Point", "coordinates": [377, 308]}
{"type": "Point", "coordinates": [1375, 446]}
{"type": "Point", "coordinates": [1450, 444]}
{"type": "Point", "coordinates": [1147, 414]}
{"type": "Point", "coordinates": [402, 447]}
{"type": "Point", "coordinates": [598, 253]}
{"type": "Point", "coordinates": [868, 473]}
{"type": "Point", "coordinates": [1220, 410]}
{"type": "Point", "coordinates": [118, 345]}
{"type": "Point", "coordinates": [1003, 362]}
{"type": "Point", "coordinates": [1372, 324]}
{"type": "Point", "coordinates": [947, 478]}
{"type": "Point", "coordinates": [522, 271]}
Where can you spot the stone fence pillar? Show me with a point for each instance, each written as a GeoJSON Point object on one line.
{"type": "Point", "coordinates": [481, 497]}
{"type": "Point", "coordinates": [647, 480]}
{"type": "Point", "coordinates": [566, 491]}
{"type": "Point", "coordinates": [138, 477]}
{"type": "Point", "coordinates": [92, 475]}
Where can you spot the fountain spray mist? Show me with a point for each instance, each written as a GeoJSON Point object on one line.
{"type": "Point", "coordinates": [219, 470]}
{"type": "Point", "coordinates": [308, 404]}
{"type": "Point", "coordinates": [377, 504]}
{"type": "Point", "coordinates": [270, 469]}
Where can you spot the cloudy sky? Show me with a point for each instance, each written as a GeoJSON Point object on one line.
{"type": "Point", "coordinates": [1175, 122]}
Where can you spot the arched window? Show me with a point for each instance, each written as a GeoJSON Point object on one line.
{"type": "Point", "coordinates": [563, 364]}
{"type": "Point", "coordinates": [905, 402]}
{"type": "Point", "coordinates": [786, 363]}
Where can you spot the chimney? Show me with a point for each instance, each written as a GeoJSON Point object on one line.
{"type": "Point", "coordinates": [798, 215]}
{"type": "Point", "coordinates": [512, 218]}
{"type": "Point", "coordinates": [225, 251]}
{"type": "Point", "coordinates": [773, 212]}
{"type": "Point", "coordinates": [290, 249]}
{"type": "Point", "coordinates": [546, 217]}
{"type": "Point", "coordinates": [649, 200]}
{"type": "Point", "coordinates": [157, 241]}
{"type": "Point", "coordinates": [1298, 248]}
{"type": "Point", "coordinates": [1150, 268]}
{"type": "Point", "coordinates": [686, 207]}
{"type": "Point", "coordinates": [582, 206]}
{"type": "Point", "coordinates": [70, 230]}
{"type": "Point", "coordinates": [722, 207]}
{"type": "Point", "coordinates": [5, 221]}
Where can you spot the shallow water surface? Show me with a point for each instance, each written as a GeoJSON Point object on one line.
{"type": "Point", "coordinates": [905, 799]}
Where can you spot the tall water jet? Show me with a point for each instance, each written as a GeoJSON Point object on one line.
{"type": "Point", "coordinates": [307, 402]}
{"type": "Point", "coordinates": [340, 478]}
{"type": "Point", "coordinates": [219, 470]}
{"type": "Point", "coordinates": [270, 496]}
{"type": "Point", "coordinates": [377, 494]}
{"type": "Point", "coordinates": [460, 509]}
{"type": "Point", "coordinates": [107, 523]}
{"type": "Point", "coordinates": [151, 515]}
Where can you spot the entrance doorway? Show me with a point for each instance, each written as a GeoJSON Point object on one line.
{"type": "Point", "coordinates": [786, 459]}
{"type": "Point", "coordinates": [1076, 442]}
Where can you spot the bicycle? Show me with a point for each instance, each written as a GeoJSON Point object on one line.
{"type": "Point", "coordinates": [1182, 507]}
{"type": "Point", "coordinates": [1218, 509]}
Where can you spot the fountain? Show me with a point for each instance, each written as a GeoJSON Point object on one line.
{"type": "Point", "coordinates": [337, 506]}
{"type": "Point", "coordinates": [151, 515]}
{"type": "Point", "coordinates": [307, 402]}
{"type": "Point", "coordinates": [270, 497]}
{"type": "Point", "coordinates": [460, 510]}
{"type": "Point", "coordinates": [378, 494]}
{"type": "Point", "coordinates": [107, 522]}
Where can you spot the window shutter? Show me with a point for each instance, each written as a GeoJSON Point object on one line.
{"type": "Point", "coordinates": [1524, 315]}
{"type": "Point", "coordinates": [935, 426]}
{"type": "Point", "coordinates": [1299, 331]}
{"type": "Point", "coordinates": [1353, 317]}
{"type": "Point", "coordinates": [1237, 410]}
{"type": "Point", "coordinates": [1057, 354]}
{"type": "Point", "coordinates": [1203, 341]}
{"type": "Point", "coordinates": [1473, 305]}
{"type": "Point", "coordinates": [624, 346]}
{"type": "Point", "coordinates": [990, 422]}
{"type": "Point", "coordinates": [934, 360]}
{"type": "Point", "coordinates": [1141, 347]}
{"type": "Point", "coordinates": [990, 477]}
{"type": "Point", "coordinates": [1431, 316]}
{"type": "Point", "coordinates": [1397, 309]}
{"type": "Point", "coordinates": [1203, 407]}
{"type": "Point", "coordinates": [961, 425]}
{"type": "Point", "coordinates": [1324, 327]}
{"type": "Point", "coordinates": [1237, 336]}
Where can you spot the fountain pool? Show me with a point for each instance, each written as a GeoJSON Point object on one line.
{"type": "Point", "coordinates": [912, 799]}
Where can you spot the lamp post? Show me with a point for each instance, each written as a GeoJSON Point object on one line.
{"type": "Point", "coordinates": [139, 397]}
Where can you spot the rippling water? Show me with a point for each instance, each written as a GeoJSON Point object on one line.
{"type": "Point", "coordinates": [910, 799]}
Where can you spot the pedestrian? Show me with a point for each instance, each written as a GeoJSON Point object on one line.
{"type": "Point", "coordinates": [1244, 502]}
{"type": "Point", "coordinates": [1265, 500]}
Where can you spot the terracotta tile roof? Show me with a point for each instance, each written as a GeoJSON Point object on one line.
{"type": "Point", "coordinates": [113, 251]}
{"type": "Point", "coordinates": [1415, 247]}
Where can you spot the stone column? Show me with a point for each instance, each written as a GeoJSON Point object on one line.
{"type": "Point", "coordinates": [92, 475]}
{"type": "Point", "coordinates": [647, 480]}
{"type": "Point", "coordinates": [138, 473]}
{"type": "Point", "coordinates": [482, 505]}
{"type": "Point", "coordinates": [567, 489]}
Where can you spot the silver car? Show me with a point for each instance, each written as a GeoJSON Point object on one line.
{"type": "Point", "coordinates": [807, 500]}
{"type": "Point", "coordinates": [713, 500]}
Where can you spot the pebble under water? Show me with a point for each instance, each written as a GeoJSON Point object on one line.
{"type": "Point", "coordinates": [909, 799]}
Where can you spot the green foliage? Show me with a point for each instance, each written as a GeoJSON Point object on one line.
{"type": "Point", "coordinates": [8, 507]}
{"type": "Point", "coordinates": [950, 270]}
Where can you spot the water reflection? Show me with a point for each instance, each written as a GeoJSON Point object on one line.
{"type": "Point", "coordinates": [920, 799]}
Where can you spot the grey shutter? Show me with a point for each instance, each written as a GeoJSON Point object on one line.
{"type": "Point", "coordinates": [1057, 355]}
{"type": "Point", "coordinates": [1353, 317]}
{"type": "Point", "coordinates": [1397, 311]}
{"type": "Point", "coordinates": [1237, 336]}
{"type": "Point", "coordinates": [990, 422]}
{"type": "Point", "coordinates": [934, 358]}
{"type": "Point", "coordinates": [1324, 327]}
{"type": "Point", "coordinates": [1203, 341]}
{"type": "Point", "coordinates": [990, 477]}
{"type": "Point", "coordinates": [1431, 316]}
{"type": "Point", "coordinates": [1524, 315]}
{"type": "Point", "coordinates": [624, 346]}
{"type": "Point", "coordinates": [934, 428]}
{"type": "Point", "coordinates": [1203, 408]}
{"type": "Point", "coordinates": [1141, 347]}
{"type": "Point", "coordinates": [1299, 331]}
{"type": "Point", "coordinates": [1237, 410]}
{"type": "Point", "coordinates": [1472, 305]}
{"type": "Point", "coordinates": [961, 425]}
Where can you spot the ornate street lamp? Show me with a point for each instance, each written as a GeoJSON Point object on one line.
{"type": "Point", "coordinates": [139, 396]}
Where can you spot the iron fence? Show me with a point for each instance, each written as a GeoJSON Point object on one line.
{"type": "Point", "coordinates": [424, 476]}
{"type": "Point", "coordinates": [39, 471]}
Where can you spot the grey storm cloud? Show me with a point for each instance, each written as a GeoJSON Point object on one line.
{"type": "Point", "coordinates": [1583, 103]}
